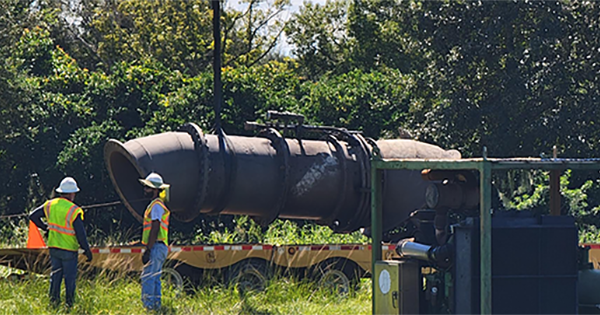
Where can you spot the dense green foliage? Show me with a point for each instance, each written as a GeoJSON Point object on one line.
{"type": "Point", "coordinates": [239, 230]}
{"type": "Point", "coordinates": [517, 77]}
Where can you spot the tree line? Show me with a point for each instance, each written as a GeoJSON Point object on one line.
{"type": "Point", "coordinates": [518, 77]}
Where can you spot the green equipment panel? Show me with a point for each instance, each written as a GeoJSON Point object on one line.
{"type": "Point", "coordinates": [397, 287]}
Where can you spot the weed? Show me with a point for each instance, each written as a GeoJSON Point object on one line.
{"type": "Point", "coordinates": [120, 294]}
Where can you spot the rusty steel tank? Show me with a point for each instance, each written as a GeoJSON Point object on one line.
{"type": "Point", "coordinates": [269, 176]}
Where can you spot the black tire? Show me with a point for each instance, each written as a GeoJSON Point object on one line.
{"type": "Point", "coordinates": [249, 275]}
{"type": "Point", "coordinates": [192, 276]}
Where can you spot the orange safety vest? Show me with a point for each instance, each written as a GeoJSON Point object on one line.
{"type": "Point", "coordinates": [163, 232]}
{"type": "Point", "coordinates": [61, 214]}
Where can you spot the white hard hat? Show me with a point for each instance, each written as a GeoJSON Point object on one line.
{"type": "Point", "coordinates": [67, 185]}
{"type": "Point", "coordinates": [154, 180]}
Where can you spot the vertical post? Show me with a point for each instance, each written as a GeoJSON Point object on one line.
{"type": "Point", "coordinates": [554, 188]}
{"type": "Point", "coordinates": [485, 232]}
{"type": "Point", "coordinates": [376, 225]}
{"type": "Point", "coordinates": [218, 87]}
{"type": "Point", "coordinates": [554, 192]}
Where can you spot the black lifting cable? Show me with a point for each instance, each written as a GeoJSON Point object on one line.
{"type": "Point", "coordinates": [92, 206]}
{"type": "Point", "coordinates": [102, 205]}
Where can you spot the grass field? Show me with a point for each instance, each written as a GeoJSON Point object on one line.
{"type": "Point", "coordinates": [121, 295]}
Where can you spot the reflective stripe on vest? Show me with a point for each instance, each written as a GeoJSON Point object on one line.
{"type": "Point", "coordinates": [60, 214]}
{"type": "Point", "coordinates": [163, 232]}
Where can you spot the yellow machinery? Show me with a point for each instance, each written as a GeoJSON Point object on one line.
{"type": "Point", "coordinates": [391, 276]}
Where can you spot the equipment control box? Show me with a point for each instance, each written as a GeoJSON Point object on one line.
{"type": "Point", "coordinates": [397, 287]}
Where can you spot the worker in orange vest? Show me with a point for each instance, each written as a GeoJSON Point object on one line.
{"type": "Point", "coordinates": [65, 235]}
{"type": "Point", "coordinates": [155, 235]}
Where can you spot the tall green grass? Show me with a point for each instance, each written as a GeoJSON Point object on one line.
{"type": "Point", "coordinates": [107, 294]}
{"type": "Point", "coordinates": [110, 293]}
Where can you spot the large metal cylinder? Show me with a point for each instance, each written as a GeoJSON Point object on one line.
{"type": "Point", "coordinates": [270, 176]}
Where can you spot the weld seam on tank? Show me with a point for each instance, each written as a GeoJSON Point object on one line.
{"type": "Point", "coordinates": [227, 150]}
{"type": "Point", "coordinates": [283, 153]}
{"type": "Point", "coordinates": [202, 150]}
{"type": "Point", "coordinates": [343, 167]}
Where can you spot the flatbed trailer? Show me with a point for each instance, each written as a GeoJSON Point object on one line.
{"type": "Point", "coordinates": [249, 265]}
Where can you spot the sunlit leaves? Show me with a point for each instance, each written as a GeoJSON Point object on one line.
{"type": "Point", "coordinates": [175, 33]}
{"type": "Point", "coordinates": [320, 37]}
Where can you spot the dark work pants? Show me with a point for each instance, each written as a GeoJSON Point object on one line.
{"type": "Point", "coordinates": [64, 265]}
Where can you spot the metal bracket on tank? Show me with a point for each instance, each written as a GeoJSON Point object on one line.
{"type": "Point", "coordinates": [226, 149]}
{"type": "Point", "coordinates": [375, 152]}
{"type": "Point", "coordinates": [283, 151]}
{"type": "Point", "coordinates": [354, 139]}
{"type": "Point", "coordinates": [202, 150]}
{"type": "Point", "coordinates": [362, 212]}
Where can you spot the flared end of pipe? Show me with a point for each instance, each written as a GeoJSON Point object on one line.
{"type": "Point", "coordinates": [173, 155]}
{"type": "Point", "coordinates": [124, 173]}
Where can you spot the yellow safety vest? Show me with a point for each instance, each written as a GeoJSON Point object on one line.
{"type": "Point", "coordinates": [163, 232]}
{"type": "Point", "coordinates": [60, 214]}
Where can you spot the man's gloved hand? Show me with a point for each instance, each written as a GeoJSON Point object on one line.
{"type": "Point", "coordinates": [88, 254]}
{"type": "Point", "coordinates": [146, 256]}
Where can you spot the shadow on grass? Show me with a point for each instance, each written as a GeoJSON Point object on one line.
{"type": "Point", "coordinates": [164, 310]}
{"type": "Point", "coordinates": [247, 308]}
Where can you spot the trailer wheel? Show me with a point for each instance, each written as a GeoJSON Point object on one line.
{"type": "Point", "coordinates": [338, 275]}
{"type": "Point", "coordinates": [171, 280]}
{"type": "Point", "coordinates": [335, 281]}
{"type": "Point", "coordinates": [249, 275]}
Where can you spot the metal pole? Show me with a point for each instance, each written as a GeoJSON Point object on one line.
{"type": "Point", "coordinates": [376, 225]}
{"type": "Point", "coordinates": [218, 86]}
{"type": "Point", "coordinates": [485, 232]}
{"type": "Point", "coordinates": [555, 188]}
{"type": "Point", "coordinates": [554, 192]}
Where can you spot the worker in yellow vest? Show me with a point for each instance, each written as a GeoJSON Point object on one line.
{"type": "Point", "coordinates": [155, 236]}
{"type": "Point", "coordinates": [65, 235]}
